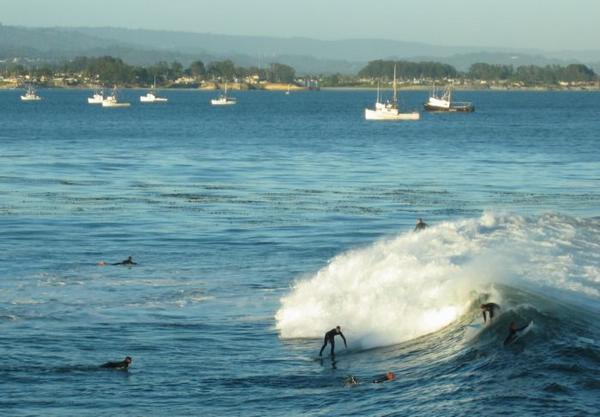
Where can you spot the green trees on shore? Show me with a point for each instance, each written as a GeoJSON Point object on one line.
{"type": "Point", "coordinates": [532, 74]}
{"type": "Point", "coordinates": [407, 70]}
{"type": "Point", "coordinates": [110, 70]}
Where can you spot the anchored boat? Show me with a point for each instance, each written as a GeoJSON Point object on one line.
{"type": "Point", "coordinates": [388, 110]}
{"type": "Point", "coordinates": [443, 102]}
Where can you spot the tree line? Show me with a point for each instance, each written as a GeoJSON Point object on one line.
{"type": "Point", "coordinates": [111, 70]}
{"type": "Point", "coordinates": [527, 74]}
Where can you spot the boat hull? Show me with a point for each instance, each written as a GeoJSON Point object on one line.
{"type": "Point", "coordinates": [153, 99]}
{"type": "Point", "coordinates": [30, 98]}
{"type": "Point", "coordinates": [218, 102]}
{"type": "Point", "coordinates": [390, 116]}
{"type": "Point", "coordinates": [454, 108]}
{"type": "Point", "coordinates": [114, 104]}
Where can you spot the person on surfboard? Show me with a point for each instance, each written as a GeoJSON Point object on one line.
{"type": "Point", "coordinates": [389, 376]}
{"type": "Point", "coordinates": [126, 262]}
{"type": "Point", "coordinates": [421, 225]}
{"type": "Point", "coordinates": [124, 364]}
{"type": "Point", "coordinates": [489, 308]}
{"type": "Point", "coordinates": [513, 332]}
{"type": "Point", "coordinates": [330, 338]}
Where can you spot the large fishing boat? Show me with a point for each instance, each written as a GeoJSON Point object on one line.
{"type": "Point", "coordinates": [388, 110]}
{"type": "Point", "coordinates": [443, 102]}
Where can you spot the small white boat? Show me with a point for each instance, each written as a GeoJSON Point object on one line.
{"type": "Point", "coordinates": [113, 100]}
{"type": "Point", "coordinates": [151, 96]}
{"type": "Point", "coordinates": [287, 93]}
{"type": "Point", "coordinates": [97, 98]}
{"type": "Point", "coordinates": [443, 102]}
{"type": "Point", "coordinates": [30, 95]}
{"type": "Point", "coordinates": [388, 110]}
{"type": "Point", "coordinates": [223, 99]}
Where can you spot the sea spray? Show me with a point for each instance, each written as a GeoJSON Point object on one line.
{"type": "Point", "coordinates": [404, 287]}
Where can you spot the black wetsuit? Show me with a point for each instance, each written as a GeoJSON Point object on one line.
{"type": "Point", "coordinates": [330, 338]}
{"type": "Point", "coordinates": [490, 308]}
{"type": "Point", "coordinates": [128, 261]}
{"type": "Point", "coordinates": [117, 365]}
{"type": "Point", "coordinates": [512, 333]}
{"type": "Point", "coordinates": [421, 225]}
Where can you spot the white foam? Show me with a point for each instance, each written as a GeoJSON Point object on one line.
{"type": "Point", "coordinates": [416, 283]}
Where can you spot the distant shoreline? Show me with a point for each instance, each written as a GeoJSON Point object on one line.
{"type": "Point", "coordinates": [297, 89]}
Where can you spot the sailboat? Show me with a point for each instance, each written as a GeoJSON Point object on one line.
{"type": "Point", "coordinates": [151, 96]}
{"type": "Point", "coordinates": [97, 97]}
{"type": "Point", "coordinates": [223, 99]}
{"type": "Point", "coordinates": [444, 103]}
{"type": "Point", "coordinates": [389, 109]}
{"type": "Point", "coordinates": [113, 100]}
{"type": "Point", "coordinates": [30, 95]}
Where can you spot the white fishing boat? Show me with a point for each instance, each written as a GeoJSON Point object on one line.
{"type": "Point", "coordinates": [223, 99]}
{"type": "Point", "coordinates": [151, 96]}
{"type": "Point", "coordinates": [388, 110]}
{"type": "Point", "coordinates": [97, 97]}
{"type": "Point", "coordinates": [443, 102]}
{"type": "Point", "coordinates": [113, 100]}
{"type": "Point", "coordinates": [30, 95]}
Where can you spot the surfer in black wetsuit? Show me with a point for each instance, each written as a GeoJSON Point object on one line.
{"type": "Point", "coordinates": [421, 225]}
{"type": "Point", "coordinates": [489, 308]}
{"type": "Point", "coordinates": [389, 376]}
{"type": "Point", "coordinates": [513, 331]}
{"type": "Point", "coordinates": [330, 338]}
{"type": "Point", "coordinates": [128, 261]}
{"type": "Point", "coordinates": [124, 364]}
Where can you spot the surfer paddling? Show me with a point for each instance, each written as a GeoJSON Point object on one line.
{"type": "Point", "coordinates": [513, 332]}
{"type": "Point", "coordinates": [489, 308]}
{"type": "Point", "coordinates": [389, 376]}
{"type": "Point", "coordinates": [330, 338]}
{"type": "Point", "coordinates": [126, 262]}
{"type": "Point", "coordinates": [124, 364]}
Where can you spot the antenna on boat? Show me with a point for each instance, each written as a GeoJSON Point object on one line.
{"type": "Point", "coordinates": [395, 95]}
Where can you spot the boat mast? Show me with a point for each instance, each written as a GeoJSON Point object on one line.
{"type": "Point", "coordinates": [395, 99]}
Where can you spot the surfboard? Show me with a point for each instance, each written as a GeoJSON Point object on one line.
{"type": "Point", "coordinates": [519, 334]}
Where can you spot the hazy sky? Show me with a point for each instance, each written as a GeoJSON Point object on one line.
{"type": "Point", "coordinates": [544, 24]}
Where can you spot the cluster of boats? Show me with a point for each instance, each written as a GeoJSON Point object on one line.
{"type": "Point", "coordinates": [383, 110]}
{"type": "Point", "coordinates": [112, 100]}
{"type": "Point", "coordinates": [437, 102]}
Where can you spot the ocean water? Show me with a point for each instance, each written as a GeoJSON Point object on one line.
{"type": "Point", "coordinates": [258, 227]}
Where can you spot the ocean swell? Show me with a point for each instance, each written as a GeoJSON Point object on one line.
{"type": "Point", "coordinates": [413, 284]}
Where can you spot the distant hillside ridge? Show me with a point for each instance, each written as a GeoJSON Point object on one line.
{"type": "Point", "coordinates": [146, 47]}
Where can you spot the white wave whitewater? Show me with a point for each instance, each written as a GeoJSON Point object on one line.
{"type": "Point", "coordinates": [413, 284]}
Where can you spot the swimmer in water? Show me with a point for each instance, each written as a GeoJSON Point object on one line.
{"type": "Point", "coordinates": [489, 308]}
{"type": "Point", "coordinates": [513, 331]}
{"type": "Point", "coordinates": [421, 225]}
{"type": "Point", "coordinates": [126, 262]}
{"type": "Point", "coordinates": [351, 380]}
{"type": "Point", "coordinates": [389, 376]}
{"type": "Point", "coordinates": [124, 364]}
{"type": "Point", "coordinates": [330, 338]}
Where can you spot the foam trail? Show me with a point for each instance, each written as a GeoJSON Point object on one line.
{"type": "Point", "coordinates": [417, 283]}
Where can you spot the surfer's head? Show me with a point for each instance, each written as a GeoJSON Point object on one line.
{"type": "Point", "coordinates": [128, 360]}
{"type": "Point", "coordinates": [390, 376]}
{"type": "Point", "coordinates": [338, 328]}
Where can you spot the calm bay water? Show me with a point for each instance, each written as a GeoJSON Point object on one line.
{"type": "Point", "coordinates": [230, 211]}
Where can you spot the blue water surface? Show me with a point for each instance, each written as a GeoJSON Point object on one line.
{"type": "Point", "coordinates": [223, 209]}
